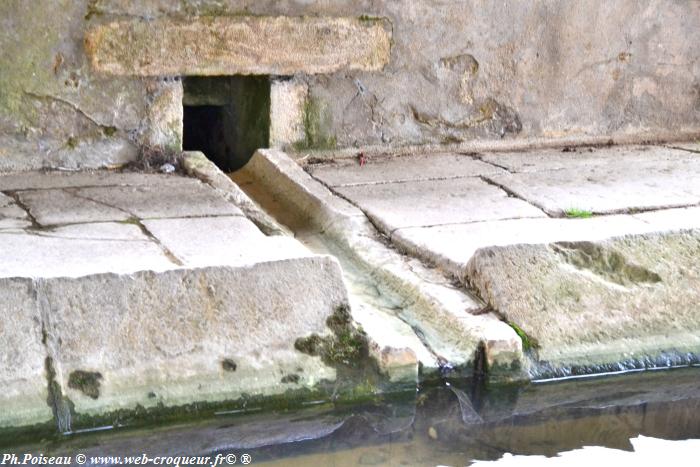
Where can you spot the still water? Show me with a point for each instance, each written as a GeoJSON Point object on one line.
{"type": "Point", "coordinates": [645, 418]}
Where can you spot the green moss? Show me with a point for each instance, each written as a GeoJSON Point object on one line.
{"type": "Point", "coordinates": [109, 131]}
{"type": "Point", "coordinates": [228, 365]}
{"type": "Point", "coordinates": [529, 343]}
{"type": "Point", "coordinates": [346, 346]}
{"type": "Point", "coordinates": [92, 10]}
{"type": "Point", "coordinates": [575, 213]}
{"type": "Point", "coordinates": [87, 382]}
{"type": "Point", "coordinates": [317, 120]}
{"type": "Point", "coordinates": [369, 19]}
{"type": "Point", "coordinates": [290, 379]}
{"type": "Point", "coordinates": [72, 142]}
{"type": "Point", "coordinates": [131, 221]}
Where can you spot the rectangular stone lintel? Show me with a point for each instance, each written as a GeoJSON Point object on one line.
{"type": "Point", "coordinates": [238, 45]}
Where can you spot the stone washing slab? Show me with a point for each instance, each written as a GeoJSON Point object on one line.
{"type": "Point", "coordinates": [434, 202]}
{"type": "Point", "coordinates": [598, 306]}
{"type": "Point", "coordinates": [452, 246]}
{"type": "Point", "coordinates": [121, 203]}
{"type": "Point", "coordinates": [233, 241]}
{"type": "Point", "coordinates": [24, 395]}
{"type": "Point", "coordinates": [79, 250]}
{"type": "Point", "coordinates": [618, 186]}
{"type": "Point", "coordinates": [188, 335]}
{"type": "Point", "coordinates": [238, 45]}
{"type": "Point", "coordinates": [402, 169]}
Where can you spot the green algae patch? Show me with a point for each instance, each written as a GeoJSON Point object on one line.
{"type": "Point", "coordinates": [347, 345]}
{"type": "Point", "coordinates": [529, 343]}
{"type": "Point", "coordinates": [87, 382]}
{"type": "Point", "coordinates": [316, 118]}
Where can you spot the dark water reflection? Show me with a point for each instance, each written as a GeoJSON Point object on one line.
{"type": "Point", "coordinates": [447, 424]}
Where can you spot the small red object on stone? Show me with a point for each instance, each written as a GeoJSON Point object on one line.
{"type": "Point", "coordinates": [362, 159]}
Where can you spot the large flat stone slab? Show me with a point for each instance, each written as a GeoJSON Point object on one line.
{"type": "Point", "coordinates": [120, 203]}
{"type": "Point", "coordinates": [609, 180]}
{"type": "Point", "coordinates": [598, 306]}
{"type": "Point", "coordinates": [232, 241]}
{"type": "Point", "coordinates": [402, 169]}
{"type": "Point", "coordinates": [452, 246]}
{"type": "Point", "coordinates": [189, 335]}
{"type": "Point", "coordinates": [80, 250]}
{"type": "Point", "coordinates": [587, 157]}
{"type": "Point", "coordinates": [238, 45]}
{"type": "Point", "coordinates": [435, 202]}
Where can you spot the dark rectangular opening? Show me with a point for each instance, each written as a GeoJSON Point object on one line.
{"type": "Point", "coordinates": [226, 117]}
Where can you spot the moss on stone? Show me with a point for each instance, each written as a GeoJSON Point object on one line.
{"type": "Point", "coordinates": [316, 117]}
{"type": "Point", "coordinates": [529, 343]}
{"type": "Point", "coordinates": [346, 346]}
{"type": "Point", "coordinates": [72, 142]}
{"type": "Point", "coordinates": [109, 131]}
{"type": "Point", "coordinates": [87, 382]}
{"type": "Point", "coordinates": [229, 365]}
{"type": "Point", "coordinates": [290, 379]}
{"type": "Point", "coordinates": [576, 213]}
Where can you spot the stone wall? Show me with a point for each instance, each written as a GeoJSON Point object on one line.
{"type": "Point", "coordinates": [459, 70]}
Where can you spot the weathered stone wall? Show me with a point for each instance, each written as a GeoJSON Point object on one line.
{"type": "Point", "coordinates": [460, 70]}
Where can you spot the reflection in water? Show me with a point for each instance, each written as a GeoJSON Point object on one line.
{"type": "Point", "coordinates": [451, 423]}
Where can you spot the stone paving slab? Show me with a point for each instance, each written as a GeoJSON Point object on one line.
{"type": "Point", "coordinates": [598, 306]}
{"type": "Point", "coordinates": [402, 169]}
{"type": "Point", "coordinates": [120, 203]}
{"type": "Point", "coordinates": [452, 246]}
{"type": "Point", "coordinates": [585, 157]}
{"type": "Point", "coordinates": [694, 147]}
{"type": "Point", "coordinates": [15, 181]}
{"type": "Point", "coordinates": [79, 250]}
{"type": "Point", "coordinates": [234, 241]}
{"type": "Point", "coordinates": [619, 186]}
{"type": "Point", "coordinates": [434, 202]}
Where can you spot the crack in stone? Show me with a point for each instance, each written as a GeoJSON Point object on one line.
{"type": "Point", "coordinates": [18, 201]}
{"type": "Point", "coordinates": [513, 194]}
{"type": "Point", "coordinates": [70, 104]}
{"type": "Point", "coordinates": [480, 157]}
{"type": "Point", "coordinates": [136, 221]}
